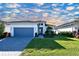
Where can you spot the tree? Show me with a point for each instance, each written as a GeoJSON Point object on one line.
{"type": "Point", "coordinates": [1, 27]}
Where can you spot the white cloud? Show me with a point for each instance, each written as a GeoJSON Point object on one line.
{"type": "Point", "coordinates": [70, 14]}
{"type": "Point", "coordinates": [13, 14]}
{"type": "Point", "coordinates": [55, 16]}
{"type": "Point", "coordinates": [77, 7]}
{"type": "Point", "coordinates": [40, 4]}
{"type": "Point", "coordinates": [24, 10]}
{"type": "Point", "coordinates": [37, 10]}
{"type": "Point", "coordinates": [16, 11]}
{"type": "Point", "coordinates": [55, 13]}
{"type": "Point", "coordinates": [63, 17]}
{"type": "Point", "coordinates": [54, 5]}
{"type": "Point", "coordinates": [65, 11]}
{"type": "Point", "coordinates": [76, 12]}
{"type": "Point", "coordinates": [62, 4]}
{"type": "Point", "coordinates": [69, 8]}
{"type": "Point", "coordinates": [45, 14]}
{"type": "Point", "coordinates": [12, 5]}
{"type": "Point", "coordinates": [7, 12]}
{"type": "Point", "coordinates": [57, 9]}
{"type": "Point", "coordinates": [1, 7]}
{"type": "Point", "coordinates": [46, 7]}
{"type": "Point", "coordinates": [69, 3]}
{"type": "Point", "coordinates": [76, 17]}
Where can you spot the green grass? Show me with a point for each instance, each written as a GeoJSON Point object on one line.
{"type": "Point", "coordinates": [57, 46]}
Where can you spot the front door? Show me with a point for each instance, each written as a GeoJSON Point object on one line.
{"type": "Point", "coordinates": [41, 30]}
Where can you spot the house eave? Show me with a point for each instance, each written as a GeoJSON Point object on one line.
{"type": "Point", "coordinates": [23, 21]}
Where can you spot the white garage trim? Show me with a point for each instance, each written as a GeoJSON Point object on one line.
{"type": "Point", "coordinates": [30, 25]}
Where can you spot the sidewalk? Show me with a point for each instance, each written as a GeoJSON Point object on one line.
{"type": "Point", "coordinates": [10, 53]}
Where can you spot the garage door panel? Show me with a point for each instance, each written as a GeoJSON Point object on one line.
{"type": "Point", "coordinates": [23, 32]}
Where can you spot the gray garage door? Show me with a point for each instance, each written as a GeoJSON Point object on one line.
{"type": "Point", "coordinates": [23, 32]}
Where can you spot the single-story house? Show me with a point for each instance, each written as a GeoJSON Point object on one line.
{"type": "Point", "coordinates": [68, 27]}
{"type": "Point", "coordinates": [25, 28]}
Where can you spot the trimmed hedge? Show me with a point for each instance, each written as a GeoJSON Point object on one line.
{"type": "Point", "coordinates": [68, 34]}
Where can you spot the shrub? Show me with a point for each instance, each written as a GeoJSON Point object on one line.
{"type": "Point", "coordinates": [36, 35]}
{"type": "Point", "coordinates": [1, 28]}
{"type": "Point", "coordinates": [68, 34]}
{"type": "Point", "coordinates": [5, 34]}
{"type": "Point", "coordinates": [49, 32]}
{"type": "Point", "coordinates": [49, 29]}
{"type": "Point", "coordinates": [76, 34]}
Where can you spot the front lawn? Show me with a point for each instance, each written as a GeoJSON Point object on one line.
{"type": "Point", "coordinates": [57, 46]}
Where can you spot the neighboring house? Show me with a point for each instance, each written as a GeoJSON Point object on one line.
{"type": "Point", "coordinates": [25, 28]}
{"type": "Point", "coordinates": [68, 27]}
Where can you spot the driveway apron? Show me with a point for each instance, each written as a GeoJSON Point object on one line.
{"type": "Point", "coordinates": [14, 44]}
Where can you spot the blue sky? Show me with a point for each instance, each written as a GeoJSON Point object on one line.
{"type": "Point", "coordinates": [45, 11]}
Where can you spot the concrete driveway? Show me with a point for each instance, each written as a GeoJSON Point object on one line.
{"type": "Point", "coordinates": [14, 44]}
